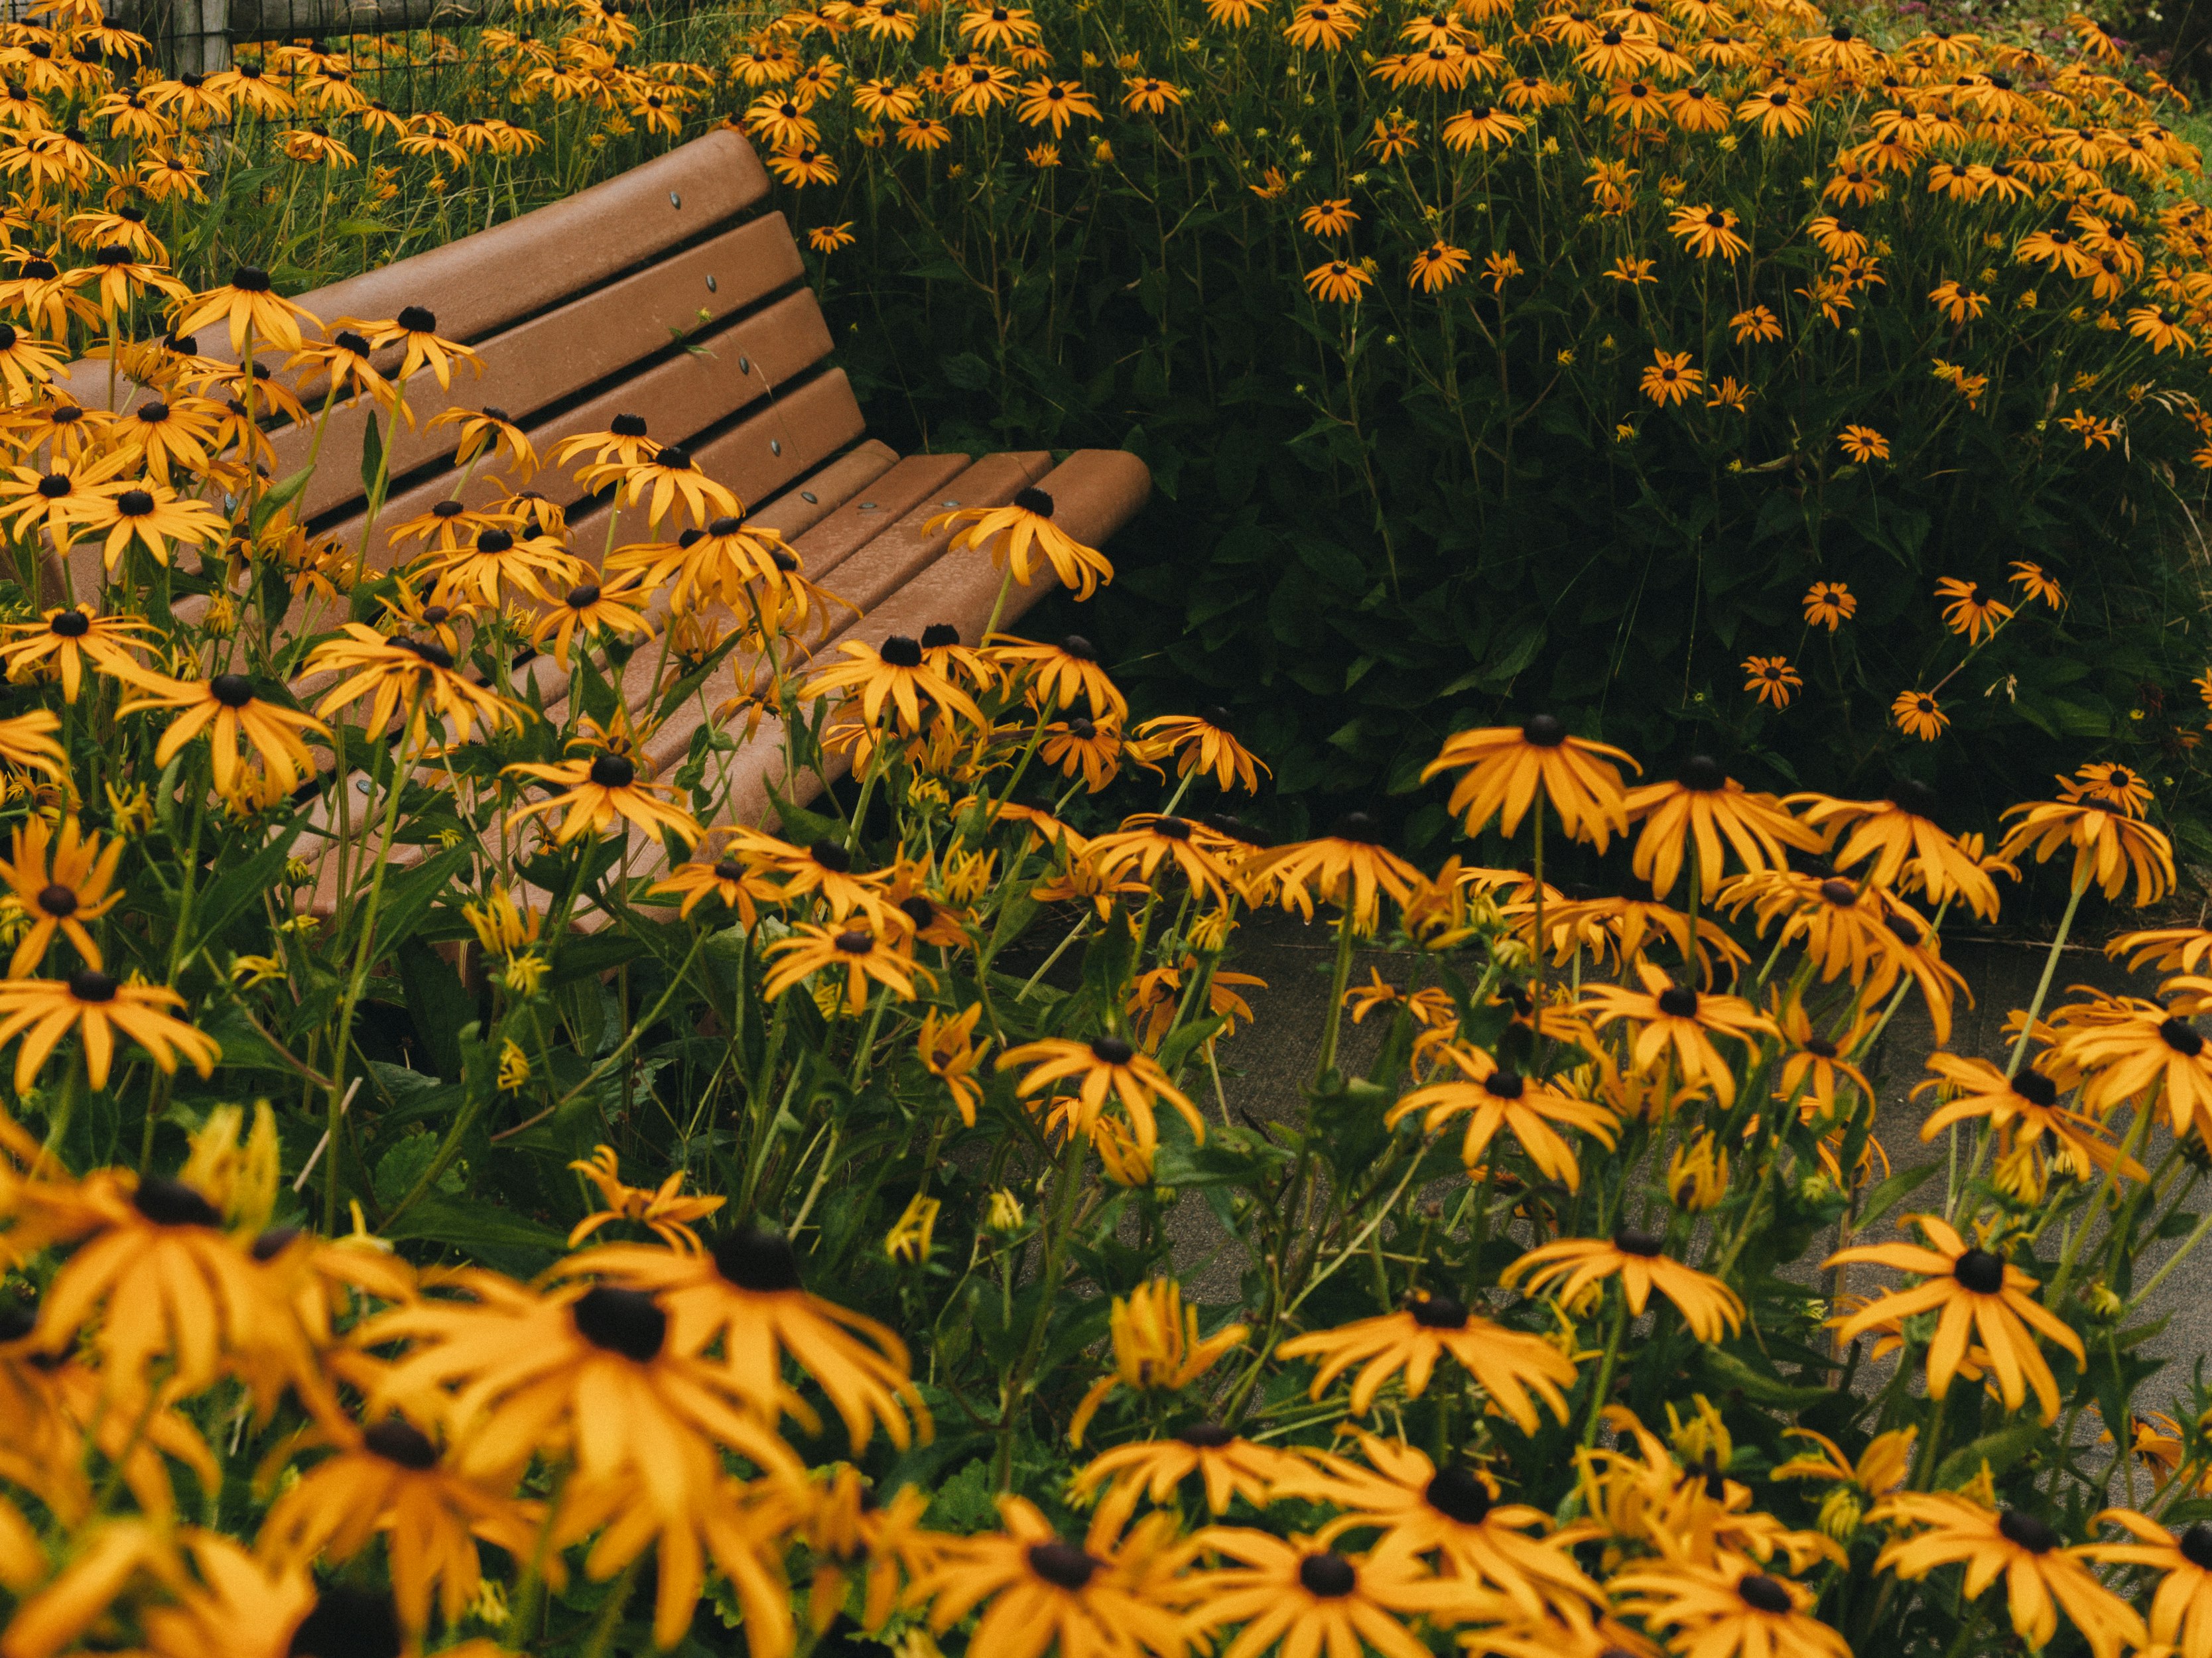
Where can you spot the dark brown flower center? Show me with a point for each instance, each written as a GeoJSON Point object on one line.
{"type": "Point", "coordinates": [611, 771]}
{"type": "Point", "coordinates": [1979, 1271]}
{"type": "Point", "coordinates": [58, 900]}
{"type": "Point", "coordinates": [2027, 1531]}
{"type": "Point", "coordinates": [625, 1321]}
{"type": "Point", "coordinates": [1205, 1435]}
{"type": "Point", "coordinates": [135, 503]}
{"type": "Point", "coordinates": [901, 651]}
{"type": "Point", "coordinates": [232, 690]}
{"type": "Point", "coordinates": [2036, 1088]}
{"type": "Point", "coordinates": [2178, 1035]}
{"type": "Point", "coordinates": [1679, 1002]}
{"type": "Point", "coordinates": [1439, 1312]}
{"type": "Point", "coordinates": [70, 624]}
{"type": "Point", "coordinates": [1063, 1565]}
{"type": "Point", "coordinates": [419, 319]}
{"type": "Point", "coordinates": [1329, 1576]}
{"type": "Point", "coordinates": [1762, 1593]}
{"type": "Point", "coordinates": [168, 1202]}
{"type": "Point", "coordinates": [856, 942]}
{"type": "Point", "coordinates": [1630, 1242]}
{"type": "Point", "coordinates": [757, 1259]}
{"type": "Point", "coordinates": [1112, 1050]}
{"type": "Point", "coordinates": [2196, 1546]}
{"type": "Point", "coordinates": [89, 985]}
{"type": "Point", "coordinates": [398, 1441]}
{"type": "Point", "coordinates": [1505, 1084]}
{"type": "Point", "coordinates": [1460, 1493]}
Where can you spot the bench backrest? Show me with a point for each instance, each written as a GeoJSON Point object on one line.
{"type": "Point", "coordinates": [664, 293]}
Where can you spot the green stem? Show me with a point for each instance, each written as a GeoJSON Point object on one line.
{"type": "Point", "coordinates": [1604, 1389]}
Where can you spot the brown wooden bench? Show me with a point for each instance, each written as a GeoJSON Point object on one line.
{"type": "Point", "coordinates": [670, 294]}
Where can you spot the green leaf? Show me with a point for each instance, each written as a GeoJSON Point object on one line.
{"type": "Point", "coordinates": [1891, 1191]}
{"type": "Point", "coordinates": [437, 1005]}
{"type": "Point", "coordinates": [280, 495]}
{"type": "Point", "coordinates": [2000, 1450]}
{"type": "Point", "coordinates": [472, 1228]}
{"type": "Point", "coordinates": [1724, 1370]}
{"type": "Point", "coordinates": [798, 824]}
{"type": "Point", "coordinates": [373, 478]}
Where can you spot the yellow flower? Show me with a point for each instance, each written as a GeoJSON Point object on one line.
{"type": "Point", "coordinates": [1774, 679]}
{"type": "Point", "coordinates": [908, 1242]}
{"type": "Point", "coordinates": [1669, 380]}
{"type": "Point", "coordinates": [1338, 280]}
{"type": "Point", "coordinates": [1863, 444]}
{"type": "Point", "coordinates": [666, 1211]}
{"type": "Point", "coordinates": [1157, 1348]}
{"type": "Point", "coordinates": [1919, 714]}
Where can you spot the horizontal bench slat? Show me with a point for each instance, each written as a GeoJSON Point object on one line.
{"type": "Point", "coordinates": [567, 350]}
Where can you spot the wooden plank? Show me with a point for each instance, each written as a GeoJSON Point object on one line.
{"type": "Point", "coordinates": [563, 352]}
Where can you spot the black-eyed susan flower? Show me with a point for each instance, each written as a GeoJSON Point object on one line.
{"type": "Point", "coordinates": [152, 516]}
{"type": "Point", "coordinates": [1774, 679]}
{"type": "Point", "coordinates": [1106, 1067]}
{"type": "Point", "coordinates": [736, 886]}
{"type": "Point", "coordinates": [97, 1007]}
{"type": "Point", "coordinates": [2023, 1108]}
{"type": "Point", "coordinates": [1158, 1348]}
{"type": "Point", "coordinates": [1339, 281]}
{"type": "Point", "coordinates": [248, 303]}
{"type": "Point", "coordinates": [2035, 584]}
{"type": "Point", "coordinates": [1669, 380]}
{"type": "Point", "coordinates": [1862, 443]}
{"type": "Point", "coordinates": [488, 431]}
{"type": "Point", "coordinates": [1223, 1465]}
{"type": "Point", "coordinates": [593, 610]}
{"type": "Point", "coordinates": [586, 1373]}
{"type": "Point", "coordinates": [1310, 1599]}
{"type": "Point", "coordinates": [414, 676]}
{"type": "Point", "coordinates": [595, 790]}
{"type": "Point", "coordinates": [1145, 841]}
{"type": "Point", "coordinates": [1349, 867]}
{"type": "Point", "coordinates": [821, 871]}
{"type": "Point", "coordinates": [1707, 231]}
{"type": "Point", "coordinates": [1480, 126]}
{"type": "Point", "coordinates": [1450, 1513]}
{"type": "Point", "coordinates": [1730, 1608]}
{"type": "Point", "coordinates": [1638, 1260]}
{"type": "Point", "coordinates": [415, 331]}
{"type": "Point", "coordinates": [864, 951]}
{"type": "Point", "coordinates": [390, 1479]}
{"type": "Point", "coordinates": [1438, 266]}
{"type": "Point", "coordinates": [1830, 604]}
{"type": "Point", "coordinates": [2131, 1047]}
{"type": "Point", "coordinates": [64, 640]}
{"type": "Point", "coordinates": [893, 676]}
{"type": "Point", "coordinates": [1905, 844]}
{"type": "Point", "coordinates": [1971, 608]}
{"type": "Point", "coordinates": [665, 1212]}
{"type": "Point", "coordinates": [1492, 1097]}
{"type": "Point", "coordinates": [1015, 532]}
{"type": "Point", "coordinates": [1755, 326]}
{"type": "Point", "coordinates": [1099, 1600]}
{"type": "Point", "coordinates": [231, 715]}
{"type": "Point", "coordinates": [1504, 767]}
{"type": "Point", "coordinates": [1708, 816]}
{"type": "Point", "coordinates": [1918, 714]}
{"type": "Point", "coordinates": [1672, 1020]}
{"type": "Point", "coordinates": [2110, 843]}
{"type": "Point", "coordinates": [1515, 1370]}
{"type": "Point", "coordinates": [1972, 1291]}
{"type": "Point", "coordinates": [2041, 1573]}
{"type": "Point", "coordinates": [2181, 1607]}
{"type": "Point", "coordinates": [743, 1301]}
{"type": "Point", "coordinates": [1206, 743]}
{"type": "Point", "coordinates": [62, 881]}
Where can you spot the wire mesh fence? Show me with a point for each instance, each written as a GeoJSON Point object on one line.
{"type": "Point", "coordinates": [411, 54]}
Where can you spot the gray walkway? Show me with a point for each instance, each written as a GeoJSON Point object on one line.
{"type": "Point", "coordinates": [1265, 1067]}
